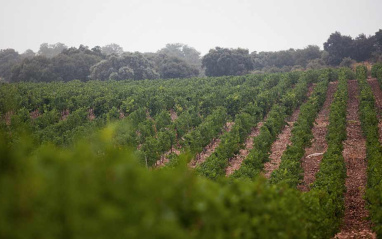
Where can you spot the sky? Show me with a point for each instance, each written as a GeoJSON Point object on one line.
{"type": "Point", "coordinates": [148, 25]}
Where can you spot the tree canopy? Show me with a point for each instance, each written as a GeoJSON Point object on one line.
{"type": "Point", "coordinates": [224, 61]}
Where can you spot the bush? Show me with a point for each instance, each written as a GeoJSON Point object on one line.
{"type": "Point", "coordinates": [347, 62]}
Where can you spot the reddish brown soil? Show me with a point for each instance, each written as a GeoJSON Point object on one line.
{"type": "Point", "coordinates": [282, 141]}
{"type": "Point", "coordinates": [121, 115]}
{"type": "Point", "coordinates": [209, 149]}
{"type": "Point", "coordinates": [8, 117]}
{"type": "Point", "coordinates": [235, 162]}
{"type": "Point", "coordinates": [313, 155]}
{"type": "Point", "coordinates": [173, 114]}
{"type": "Point", "coordinates": [355, 224]}
{"type": "Point", "coordinates": [164, 158]}
{"type": "Point", "coordinates": [34, 114]}
{"type": "Point", "coordinates": [280, 145]}
{"type": "Point", "coordinates": [65, 114]}
{"type": "Point", "coordinates": [378, 102]}
{"type": "Point", "coordinates": [91, 115]}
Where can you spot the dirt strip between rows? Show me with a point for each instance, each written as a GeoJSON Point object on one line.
{"type": "Point", "coordinates": [280, 145]}
{"type": "Point", "coordinates": [282, 141]}
{"type": "Point", "coordinates": [355, 223]}
{"type": "Point", "coordinates": [313, 155]}
{"type": "Point", "coordinates": [164, 158]}
{"type": "Point", "coordinates": [210, 148]}
{"type": "Point", "coordinates": [235, 162]}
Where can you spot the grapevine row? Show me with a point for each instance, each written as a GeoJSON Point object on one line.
{"type": "Point", "coordinates": [369, 123]}
{"type": "Point", "coordinates": [253, 164]}
{"type": "Point", "coordinates": [216, 164]}
{"type": "Point", "coordinates": [290, 170]}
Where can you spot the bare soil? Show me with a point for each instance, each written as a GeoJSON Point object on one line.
{"type": "Point", "coordinates": [34, 114]}
{"type": "Point", "coordinates": [280, 145]}
{"type": "Point", "coordinates": [121, 115]}
{"type": "Point", "coordinates": [91, 115]}
{"type": "Point", "coordinates": [235, 162]}
{"type": "Point", "coordinates": [313, 155]}
{"type": "Point", "coordinates": [164, 158]}
{"type": "Point", "coordinates": [355, 223]}
{"type": "Point", "coordinates": [282, 141]}
{"type": "Point", "coordinates": [64, 114]}
{"type": "Point", "coordinates": [378, 102]}
{"type": "Point", "coordinates": [210, 148]}
{"type": "Point", "coordinates": [173, 114]}
{"type": "Point", "coordinates": [8, 117]}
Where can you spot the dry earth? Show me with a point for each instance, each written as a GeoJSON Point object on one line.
{"type": "Point", "coordinates": [313, 155]}
{"type": "Point", "coordinates": [355, 223]}
{"type": "Point", "coordinates": [209, 149]}
{"type": "Point", "coordinates": [235, 162]}
{"type": "Point", "coordinates": [282, 141]}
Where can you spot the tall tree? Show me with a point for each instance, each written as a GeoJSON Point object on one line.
{"type": "Point", "coordinates": [8, 58]}
{"type": "Point", "coordinates": [51, 50]}
{"type": "Point", "coordinates": [378, 38]}
{"type": "Point", "coordinates": [28, 54]}
{"type": "Point", "coordinates": [182, 51]}
{"type": "Point", "coordinates": [36, 69]}
{"type": "Point", "coordinates": [112, 48]}
{"type": "Point", "coordinates": [169, 66]}
{"type": "Point", "coordinates": [224, 61]}
{"type": "Point", "coordinates": [363, 47]}
{"type": "Point", "coordinates": [338, 47]}
{"type": "Point", "coordinates": [128, 66]}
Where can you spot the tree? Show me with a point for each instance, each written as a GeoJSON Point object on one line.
{"type": "Point", "coordinates": [28, 54]}
{"type": "Point", "coordinates": [316, 64]}
{"type": "Point", "coordinates": [311, 52]}
{"type": "Point", "coordinates": [70, 64]}
{"type": "Point", "coordinates": [36, 69]}
{"type": "Point", "coordinates": [75, 63]}
{"type": "Point", "coordinates": [338, 47]}
{"type": "Point", "coordinates": [282, 61]}
{"type": "Point", "coordinates": [128, 66]}
{"type": "Point", "coordinates": [112, 49]}
{"type": "Point", "coordinates": [51, 50]}
{"type": "Point", "coordinates": [184, 52]}
{"type": "Point", "coordinates": [378, 39]}
{"type": "Point", "coordinates": [8, 58]}
{"type": "Point", "coordinates": [224, 61]}
{"type": "Point", "coordinates": [347, 62]}
{"type": "Point", "coordinates": [175, 67]}
{"type": "Point", "coordinates": [363, 47]}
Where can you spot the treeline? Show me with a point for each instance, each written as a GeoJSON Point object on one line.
{"type": "Point", "coordinates": [57, 62]}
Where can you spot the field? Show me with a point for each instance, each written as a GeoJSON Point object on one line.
{"type": "Point", "coordinates": [282, 155]}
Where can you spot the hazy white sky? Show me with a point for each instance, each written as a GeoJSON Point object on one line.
{"type": "Point", "coordinates": [147, 25]}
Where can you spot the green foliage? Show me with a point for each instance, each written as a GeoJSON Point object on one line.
{"type": "Point", "coordinates": [330, 180]}
{"type": "Point", "coordinates": [100, 187]}
{"type": "Point", "coordinates": [127, 66]}
{"type": "Point", "coordinates": [275, 122]}
{"type": "Point", "coordinates": [375, 68]}
{"type": "Point", "coordinates": [223, 61]}
{"type": "Point", "coordinates": [339, 47]}
{"type": "Point", "coordinates": [369, 123]}
{"type": "Point", "coordinates": [231, 142]}
{"type": "Point", "coordinates": [97, 190]}
{"type": "Point", "coordinates": [290, 171]}
{"type": "Point", "coordinates": [175, 67]}
{"type": "Point", "coordinates": [347, 62]}
{"type": "Point", "coordinates": [361, 72]}
{"type": "Point", "coordinates": [69, 65]}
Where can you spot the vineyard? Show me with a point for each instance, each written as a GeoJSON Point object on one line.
{"type": "Point", "coordinates": [281, 155]}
